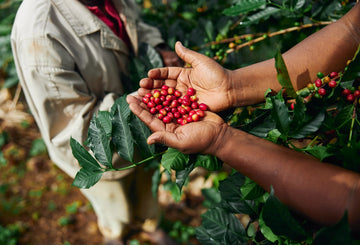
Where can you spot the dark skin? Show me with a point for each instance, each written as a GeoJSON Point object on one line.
{"type": "Point", "coordinates": [320, 191]}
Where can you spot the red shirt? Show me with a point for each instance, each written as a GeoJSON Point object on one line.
{"type": "Point", "coordinates": [115, 23]}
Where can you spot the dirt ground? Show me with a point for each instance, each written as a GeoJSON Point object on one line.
{"type": "Point", "coordinates": [37, 198]}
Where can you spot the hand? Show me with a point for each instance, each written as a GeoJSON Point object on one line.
{"type": "Point", "coordinates": [196, 137]}
{"type": "Point", "coordinates": [210, 80]}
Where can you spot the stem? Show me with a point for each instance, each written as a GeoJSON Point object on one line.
{"type": "Point", "coordinates": [352, 123]}
{"type": "Point", "coordinates": [137, 163]}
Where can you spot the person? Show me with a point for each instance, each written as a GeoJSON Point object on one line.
{"type": "Point", "coordinates": [319, 191]}
{"type": "Point", "coordinates": [72, 60]}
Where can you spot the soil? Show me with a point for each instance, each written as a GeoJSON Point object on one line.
{"type": "Point", "coordinates": [38, 201]}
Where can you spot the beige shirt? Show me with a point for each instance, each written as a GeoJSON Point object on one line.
{"type": "Point", "coordinates": [70, 64]}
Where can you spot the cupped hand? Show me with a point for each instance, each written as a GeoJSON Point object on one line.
{"type": "Point", "coordinates": [196, 137]}
{"type": "Point", "coordinates": [210, 80]}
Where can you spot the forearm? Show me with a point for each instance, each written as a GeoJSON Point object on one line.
{"type": "Point", "coordinates": [320, 191]}
{"type": "Point", "coordinates": [325, 51]}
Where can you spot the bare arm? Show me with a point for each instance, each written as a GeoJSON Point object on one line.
{"type": "Point", "coordinates": [325, 51]}
{"type": "Point", "coordinates": [320, 191]}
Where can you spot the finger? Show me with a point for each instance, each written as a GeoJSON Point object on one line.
{"type": "Point", "coordinates": [189, 56]}
{"type": "Point", "coordinates": [144, 115]}
{"type": "Point", "coordinates": [164, 137]}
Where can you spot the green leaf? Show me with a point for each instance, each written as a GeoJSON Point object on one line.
{"type": "Point", "coordinates": [261, 15]}
{"type": "Point", "coordinates": [99, 142]}
{"type": "Point", "coordinates": [319, 151]}
{"type": "Point", "coordinates": [220, 226]}
{"type": "Point", "coordinates": [266, 231]}
{"type": "Point", "coordinates": [250, 190]}
{"type": "Point", "coordinates": [283, 75]}
{"type": "Point", "coordinates": [174, 190]}
{"type": "Point", "coordinates": [85, 159]}
{"type": "Point", "coordinates": [174, 159]}
{"type": "Point", "coordinates": [352, 71]}
{"type": "Point", "coordinates": [280, 114]}
{"type": "Point", "coordinates": [339, 233]}
{"type": "Point", "coordinates": [86, 178]}
{"type": "Point", "coordinates": [182, 175]}
{"type": "Point", "coordinates": [310, 127]}
{"type": "Point", "coordinates": [155, 182]}
{"type": "Point", "coordinates": [140, 134]}
{"type": "Point", "coordinates": [244, 6]}
{"type": "Point", "coordinates": [105, 119]}
{"type": "Point", "coordinates": [232, 198]}
{"type": "Point", "coordinates": [212, 197]}
{"type": "Point", "coordinates": [208, 162]}
{"type": "Point", "coordinates": [122, 137]}
{"type": "Point", "coordinates": [278, 217]}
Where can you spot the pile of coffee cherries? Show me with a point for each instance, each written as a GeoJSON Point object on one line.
{"type": "Point", "coordinates": [170, 106]}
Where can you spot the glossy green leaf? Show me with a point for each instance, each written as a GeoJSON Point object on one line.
{"type": "Point", "coordinates": [280, 114]}
{"type": "Point", "coordinates": [122, 136]}
{"type": "Point", "coordinates": [87, 178]}
{"type": "Point", "coordinates": [174, 159]}
{"type": "Point", "coordinates": [85, 159]}
{"type": "Point", "coordinates": [259, 16]}
{"type": "Point", "coordinates": [250, 190]}
{"type": "Point", "coordinates": [208, 162]}
{"type": "Point", "coordinates": [278, 217]}
{"type": "Point", "coordinates": [339, 233]}
{"type": "Point", "coordinates": [244, 6]}
{"type": "Point", "coordinates": [182, 175]}
{"type": "Point", "coordinates": [319, 151]}
{"type": "Point", "coordinates": [310, 127]}
{"type": "Point", "coordinates": [212, 197]}
{"type": "Point", "coordinates": [232, 199]}
{"type": "Point", "coordinates": [105, 119]}
{"type": "Point", "coordinates": [283, 75]}
{"type": "Point", "coordinates": [220, 227]}
{"type": "Point", "coordinates": [140, 134]}
{"type": "Point", "coordinates": [352, 71]}
{"type": "Point", "coordinates": [99, 142]}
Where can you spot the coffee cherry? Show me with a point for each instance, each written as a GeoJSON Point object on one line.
{"type": "Point", "coordinates": [350, 97]}
{"type": "Point", "coordinates": [320, 75]}
{"type": "Point", "coordinates": [311, 86]}
{"type": "Point", "coordinates": [292, 106]}
{"type": "Point", "coordinates": [318, 83]}
{"type": "Point", "coordinates": [333, 74]}
{"type": "Point", "coordinates": [167, 119]}
{"type": "Point", "coordinates": [332, 84]}
{"type": "Point", "coordinates": [322, 91]}
{"type": "Point", "coordinates": [191, 91]}
{"type": "Point", "coordinates": [346, 92]}
{"type": "Point", "coordinates": [203, 107]}
{"type": "Point", "coordinates": [357, 93]}
{"type": "Point", "coordinates": [326, 79]}
{"type": "Point", "coordinates": [167, 104]}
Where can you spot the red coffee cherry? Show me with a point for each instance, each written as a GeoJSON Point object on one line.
{"type": "Point", "coordinates": [357, 93]}
{"type": "Point", "coordinates": [350, 97]}
{"type": "Point", "coordinates": [203, 107]}
{"type": "Point", "coordinates": [318, 83]}
{"type": "Point", "coordinates": [322, 91]}
{"type": "Point", "coordinates": [167, 104]}
{"type": "Point", "coordinates": [191, 91]}
{"type": "Point", "coordinates": [333, 74]}
{"type": "Point", "coordinates": [332, 84]}
{"type": "Point", "coordinates": [346, 92]}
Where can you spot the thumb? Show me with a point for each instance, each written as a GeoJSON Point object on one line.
{"type": "Point", "coordinates": [163, 137]}
{"type": "Point", "coordinates": [189, 56]}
